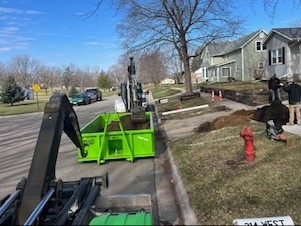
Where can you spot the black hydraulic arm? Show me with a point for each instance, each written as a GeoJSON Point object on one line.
{"type": "Point", "coordinates": [59, 116]}
{"type": "Point", "coordinates": [131, 73]}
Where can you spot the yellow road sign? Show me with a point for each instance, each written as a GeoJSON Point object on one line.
{"type": "Point", "coordinates": [36, 87]}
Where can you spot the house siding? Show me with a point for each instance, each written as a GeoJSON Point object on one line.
{"type": "Point", "coordinates": [220, 69]}
{"type": "Point", "coordinates": [217, 60]}
{"type": "Point", "coordinates": [168, 81]}
{"type": "Point", "coordinates": [242, 58]}
{"type": "Point", "coordinates": [251, 59]}
{"type": "Point", "coordinates": [296, 60]}
{"type": "Point", "coordinates": [236, 55]}
{"type": "Point", "coordinates": [277, 41]}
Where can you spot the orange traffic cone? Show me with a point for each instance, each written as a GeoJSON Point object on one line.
{"type": "Point", "coordinates": [220, 96]}
{"type": "Point", "coordinates": [212, 96]}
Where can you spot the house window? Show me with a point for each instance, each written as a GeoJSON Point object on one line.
{"type": "Point", "coordinates": [260, 65]}
{"type": "Point", "coordinates": [205, 73]}
{"type": "Point", "coordinates": [277, 56]}
{"type": "Point", "coordinates": [259, 46]}
{"type": "Point", "coordinates": [226, 72]}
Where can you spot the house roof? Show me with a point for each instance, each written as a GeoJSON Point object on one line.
{"type": "Point", "coordinates": [198, 70]}
{"type": "Point", "coordinates": [217, 48]}
{"type": "Point", "coordinates": [222, 64]}
{"type": "Point", "coordinates": [205, 64]}
{"type": "Point", "coordinates": [292, 33]}
{"type": "Point", "coordinates": [241, 42]}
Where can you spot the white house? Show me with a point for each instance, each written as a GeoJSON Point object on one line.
{"type": "Point", "coordinates": [168, 81]}
{"type": "Point", "coordinates": [201, 75]}
{"type": "Point", "coordinates": [284, 52]}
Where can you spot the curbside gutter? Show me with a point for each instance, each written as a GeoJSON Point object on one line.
{"type": "Point", "coordinates": [182, 197]}
{"type": "Point", "coordinates": [188, 214]}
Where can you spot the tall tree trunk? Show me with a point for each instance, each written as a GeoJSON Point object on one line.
{"type": "Point", "coordinates": [187, 77]}
{"type": "Point", "coordinates": [185, 60]}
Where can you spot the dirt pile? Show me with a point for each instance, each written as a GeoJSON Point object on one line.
{"type": "Point", "coordinates": [236, 118]}
{"type": "Point", "coordinates": [276, 111]}
{"type": "Point", "coordinates": [127, 124]}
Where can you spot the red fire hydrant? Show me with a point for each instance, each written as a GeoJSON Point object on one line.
{"type": "Point", "coordinates": [247, 134]}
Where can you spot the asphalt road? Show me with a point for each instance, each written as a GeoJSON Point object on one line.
{"type": "Point", "coordinates": [18, 136]}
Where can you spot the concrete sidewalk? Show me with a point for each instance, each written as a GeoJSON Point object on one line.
{"type": "Point", "coordinates": [176, 129]}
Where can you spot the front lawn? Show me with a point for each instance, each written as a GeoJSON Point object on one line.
{"type": "Point", "coordinates": [223, 186]}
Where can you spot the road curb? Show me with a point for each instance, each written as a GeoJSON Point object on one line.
{"type": "Point", "coordinates": [182, 197]}
{"type": "Point", "coordinates": [188, 214]}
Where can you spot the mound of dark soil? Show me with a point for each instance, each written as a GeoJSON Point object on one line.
{"type": "Point", "coordinates": [204, 127]}
{"type": "Point", "coordinates": [243, 112]}
{"type": "Point", "coordinates": [228, 121]}
{"type": "Point", "coordinates": [276, 111]}
{"type": "Point", "coordinates": [236, 118]}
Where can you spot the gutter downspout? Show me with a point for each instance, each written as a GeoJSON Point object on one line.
{"type": "Point", "coordinates": [242, 65]}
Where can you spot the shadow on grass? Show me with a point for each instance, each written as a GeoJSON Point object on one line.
{"type": "Point", "coordinates": [19, 104]}
{"type": "Point", "coordinates": [21, 108]}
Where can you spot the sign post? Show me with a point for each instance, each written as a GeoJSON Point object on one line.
{"type": "Point", "coordinates": [36, 88]}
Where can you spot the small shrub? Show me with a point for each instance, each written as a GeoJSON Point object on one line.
{"type": "Point", "coordinates": [72, 91]}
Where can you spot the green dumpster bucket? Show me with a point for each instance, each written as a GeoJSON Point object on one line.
{"type": "Point", "coordinates": [115, 136]}
{"type": "Point", "coordinates": [141, 218]}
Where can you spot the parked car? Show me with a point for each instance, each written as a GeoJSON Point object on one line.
{"type": "Point", "coordinates": [94, 93]}
{"type": "Point", "coordinates": [81, 98]}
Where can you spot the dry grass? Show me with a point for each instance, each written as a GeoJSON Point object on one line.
{"type": "Point", "coordinates": [164, 91]}
{"type": "Point", "coordinates": [175, 103]}
{"type": "Point", "coordinates": [23, 107]}
{"type": "Point", "coordinates": [222, 186]}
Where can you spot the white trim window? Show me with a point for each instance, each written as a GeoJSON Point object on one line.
{"type": "Point", "coordinates": [277, 56]}
{"type": "Point", "coordinates": [226, 71]}
{"type": "Point", "coordinates": [259, 46]}
{"type": "Point", "coordinates": [261, 65]}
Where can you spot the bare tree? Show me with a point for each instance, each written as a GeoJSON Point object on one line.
{"type": "Point", "coordinates": [68, 77]}
{"type": "Point", "coordinates": [117, 74]}
{"type": "Point", "coordinates": [176, 24]}
{"type": "Point", "coordinates": [25, 69]}
{"type": "Point", "coordinates": [175, 66]}
{"type": "Point", "coordinates": [296, 23]}
{"type": "Point", "coordinates": [122, 66]}
{"type": "Point", "coordinates": [3, 73]}
{"type": "Point", "coordinates": [84, 78]}
{"type": "Point", "coordinates": [270, 6]}
{"type": "Point", "coordinates": [152, 68]}
{"type": "Point", "coordinates": [48, 78]}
